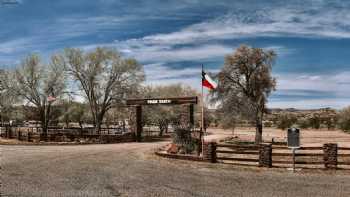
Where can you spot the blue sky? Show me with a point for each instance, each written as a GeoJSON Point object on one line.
{"type": "Point", "coordinates": [172, 38]}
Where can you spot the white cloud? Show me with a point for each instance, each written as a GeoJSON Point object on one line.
{"type": "Point", "coordinates": [335, 90]}
{"type": "Point", "coordinates": [150, 51]}
{"type": "Point", "coordinates": [14, 45]}
{"type": "Point", "coordinates": [164, 53]}
{"type": "Point", "coordinates": [277, 22]}
{"type": "Point", "coordinates": [339, 82]}
{"type": "Point", "coordinates": [160, 74]}
{"type": "Point", "coordinates": [159, 71]}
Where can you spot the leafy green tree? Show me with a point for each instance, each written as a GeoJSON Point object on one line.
{"type": "Point", "coordinates": [245, 83]}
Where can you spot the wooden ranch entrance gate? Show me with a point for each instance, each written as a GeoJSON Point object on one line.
{"type": "Point", "coordinates": [138, 103]}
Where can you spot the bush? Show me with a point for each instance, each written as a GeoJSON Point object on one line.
{"type": "Point", "coordinates": [268, 124]}
{"type": "Point", "coordinates": [303, 123]}
{"type": "Point", "coordinates": [330, 122]}
{"type": "Point", "coordinates": [183, 139]}
{"type": "Point", "coordinates": [286, 121]}
{"type": "Point", "coordinates": [315, 122]}
{"type": "Point", "coordinates": [344, 119]}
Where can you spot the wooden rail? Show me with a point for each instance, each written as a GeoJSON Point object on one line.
{"type": "Point", "coordinates": [237, 152]}
{"type": "Point", "coordinates": [237, 146]}
{"type": "Point", "coordinates": [297, 154]}
{"type": "Point", "coordinates": [238, 159]}
{"type": "Point", "coordinates": [298, 162]}
{"type": "Point", "coordinates": [304, 156]}
{"type": "Point", "coordinates": [234, 153]}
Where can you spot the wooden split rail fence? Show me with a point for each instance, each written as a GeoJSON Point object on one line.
{"type": "Point", "coordinates": [108, 135]}
{"type": "Point", "coordinates": [329, 156]}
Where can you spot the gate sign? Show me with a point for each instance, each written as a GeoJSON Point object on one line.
{"type": "Point", "coordinates": [163, 101]}
{"type": "Point", "coordinates": [293, 140]}
{"type": "Point", "coordinates": [158, 101]}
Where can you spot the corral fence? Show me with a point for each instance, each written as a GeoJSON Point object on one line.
{"type": "Point", "coordinates": [59, 134]}
{"type": "Point", "coordinates": [329, 156]}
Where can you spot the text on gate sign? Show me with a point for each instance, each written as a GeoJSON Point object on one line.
{"type": "Point", "coordinates": [158, 101]}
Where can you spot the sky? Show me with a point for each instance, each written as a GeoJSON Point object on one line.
{"type": "Point", "coordinates": [173, 38]}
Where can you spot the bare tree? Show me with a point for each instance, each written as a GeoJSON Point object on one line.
{"type": "Point", "coordinates": [39, 85]}
{"type": "Point", "coordinates": [245, 82]}
{"type": "Point", "coordinates": [104, 77]}
{"type": "Point", "coordinates": [7, 98]}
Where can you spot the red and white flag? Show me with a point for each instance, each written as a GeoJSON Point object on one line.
{"type": "Point", "coordinates": [208, 82]}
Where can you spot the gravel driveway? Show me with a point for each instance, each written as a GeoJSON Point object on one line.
{"type": "Point", "coordinates": [130, 169]}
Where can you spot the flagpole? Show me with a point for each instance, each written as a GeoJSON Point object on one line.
{"type": "Point", "coordinates": [202, 121]}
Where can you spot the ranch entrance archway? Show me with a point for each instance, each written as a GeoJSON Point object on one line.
{"type": "Point", "coordinates": [138, 103]}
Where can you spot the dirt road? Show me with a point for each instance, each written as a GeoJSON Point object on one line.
{"type": "Point", "coordinates": [131, 169]}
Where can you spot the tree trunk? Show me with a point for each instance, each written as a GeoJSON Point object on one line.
{"type": "Point", "coordinates": [123, 124]}
{"type": "Point", "coordinates": [45, 119]}
{"type": "Point", "coordinates": [43, 135]}
{"type": "Point", "coordinates": [98, 127]}
{"type": "Point", "coordinates": [161, 129]}
{"type": "Point", "coordinates": [258, 132]}
{"type": "Point", "coordinates": [99, 121]}
{"type": "Point", "coordinates": [67, 124]}
{"type": "Point", "coordinates": [81, 129]}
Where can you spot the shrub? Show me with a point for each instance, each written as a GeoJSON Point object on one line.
{"type": "Point", "coordinates": [344, 119]}
{"type": "Point", "coordinates": [183, 139]}
{"type": "Point", "coordinates": [330, 122]}
{"type": "Point", "coordinates": [303, 123]}
{"type": "Point", "coordinates": [286, 121]}
{"type": "Point", "coordinates": [315, 122]}
{"type": "Point", "coordinates": [268, 124]}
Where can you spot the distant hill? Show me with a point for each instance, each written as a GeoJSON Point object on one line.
{"type": "Point", "coordinates": [320, 110]}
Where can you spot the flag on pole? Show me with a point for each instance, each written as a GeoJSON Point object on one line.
{"type": "Point", "coordinates": [208, 82]}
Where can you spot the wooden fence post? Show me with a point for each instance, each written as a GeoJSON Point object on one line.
{"type": "Point", "coordinates": [213, 152]}
{"type": "Point", "coordinates": [28, 136]}
{"type": "Point", "coordinates": [6, 132]}
{"type": "Point", "coordinates": [9, 132]}
{"type": "Point", "coordinates": [330, 155]}
{"type": "Point", "coordinates": [191, 111]}
{"type": "Point", "coordinates": [19, 135]}
{"type": "Point", "coordinates": [265, 155]}
{"type": "Point", "coordinates": [206, 155]}
{"type": "Point", "coordinates": [209, 151]}
{"type": "Point", "coordinates": [139, 123]}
